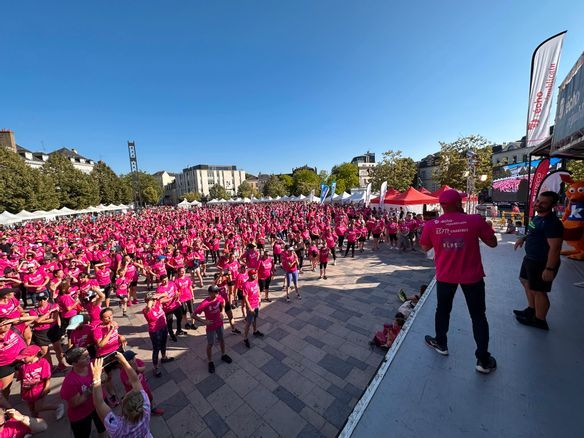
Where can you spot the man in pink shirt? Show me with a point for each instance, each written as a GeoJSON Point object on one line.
{"type": "Point", "coordinates": [455, 238]}
{"type": "Point", "coordinates": [251, 300]}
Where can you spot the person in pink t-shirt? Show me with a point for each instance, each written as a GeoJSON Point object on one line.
{"type": "Point", "coordinates": [455, 238]}
{"type": "Point", "coordinates": [252, 303]}
{"type": "Point", "coordinates": [11, 344]}
{"type": "Point", "coordinates": [184, 284]}
{"type": "Point", "coordinates": [13, 424]}
{"type": "Point", "coordinates": [76, 391]}
{"type": "Point", "coordinates": [157, 329]}
{"type": "Point", "coordinates": [35, 382]}
{"type": "Point", "coordinates": [46, 330]}
{"type": "Point", "coordinates": [323, 256]}
{"type": "Point", "coordinates": [213, 307]}
{"type": "Point", "coordinates": [139, 367]}
{"type": "Point", "coordinates": [266, 269]}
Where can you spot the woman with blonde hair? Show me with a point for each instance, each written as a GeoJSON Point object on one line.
{"type": "Point", "coordinates": [135, 419]}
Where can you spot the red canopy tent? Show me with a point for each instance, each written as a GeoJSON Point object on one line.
{"type": "Point", "coordinates": [389, 195]}
{"type": "Point", "coordinates": [425, 191]}
{"type": "Point", "coordinates": [438, 192]}
{"type": "Point", "coordinates": [413, 197]}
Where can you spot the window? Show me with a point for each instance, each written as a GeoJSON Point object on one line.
{"type": "Point", "coordinates": [514, 159]}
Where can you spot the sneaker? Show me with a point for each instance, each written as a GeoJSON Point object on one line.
{"type": "Point", "coordinates": [211, 367]}
{"type": "Point", "coordinates": [157, 372]}
{"type": "Point", "coordinates": [246, 342]}
{"type": "Point", "coordinates": [236, 331]}
{"type": "Point", "coordinates": [173, 337]}
{"type": "Point", "coordinates": [533, 322]}
{"type": "Point", "coordinates": [325, 277]}
{"type": "Point", "coordinates": [485, 367]}
{"type": "Point", "coordinates": [431, 342]}
{"type": "Point", "coordinates": [299, 297]}
{"type": "Point", "coordinates": [60, 411]}
{"type": "Point", "coordinates": [287, 299]}
{"type": "Point", "coordinates": [268, 300]}
{"type": "Point", "coordinates": [124, 314]}
{"type": "Point", "coordinates": [528, 311]}
{"type": "Point", "coordinates": [157, 411]}
{"type": "Point", "coordinates": [167, 359]}
{"type": "Point", "coordinates": [181, 333]}
{"type": "Point", "coordinates": [258, 334]}
{"type": "Point", "coordinates": [402, 296]}
{"type": "Point", "coordinates": [227, 359]}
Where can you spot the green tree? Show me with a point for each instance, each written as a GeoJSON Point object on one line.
{"type": "Point", "coordinates": [23, 188]}
{"type": "Point", "coordinates": [112, 189]}
{"type": "Point", "coordinates": [577, 169]}
{"type": "Point", "coordinates": [192, 196]}
{"type": "Point", "coordinates": [346, 175]}
{"type": "Point", "coordinates": [245, 190]}
{"type": "Point", "coordinates": [148, 185]}
{"type": "Point", "coordinates": [75, 189]}
{"type": "Point", "coordinates": [275, 187]}
{"type": "Point", "coordinates": [305, 181]}
{"type": "Point", "coordinates": [288, 182]}
{"type": "Point", "coordinates": [218, 192]}
{"type": "Point", "coordinates": [454, 162]}
{"type": "Point", "coordinates": [398, 171]}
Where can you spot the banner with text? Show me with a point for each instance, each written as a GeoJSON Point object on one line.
{"type": "Point", "coordinates": [544, 66]}
{"type": "Point", "coordinates": [537, 178]}
{"type": "Point", "coordinates": [324, 189]}
{"type": "Point", "coordinates": [382, 194]}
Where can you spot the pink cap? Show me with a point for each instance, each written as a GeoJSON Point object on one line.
{"type": "Point", "coordinates": [450, 197]}
{"type": "Point", "coordinates": [31, 350]}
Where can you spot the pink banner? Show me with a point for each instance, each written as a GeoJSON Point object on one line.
{"type": "Point", "coordinates": [537, 178]}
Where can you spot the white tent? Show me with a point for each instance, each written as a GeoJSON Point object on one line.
{"type": "Point", "coordinates": [183, 204]}
{"type": "Point", "coordinates": [285, 198]}
{"type": "Point", "coordinates": [278, 198]}
{"type": "Point", "coordinates": [345, 198]}
{"type": "Point", "coordinates": [195, 203]}
{"type": "Point", "coordinates": [302, 198]}
{"type": "Point", "coordinates": [246, 200]}
{"type": "Point", "coordinates": [357, 198]}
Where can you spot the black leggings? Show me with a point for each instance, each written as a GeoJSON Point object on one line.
{"type": "Point", "coordinates": [82, 428]}
{"type": "Point", "coordinates": [178, 313]}
{"type": "Point", "coordinates": [334, 253]}
{"type": "Point", "coordinates": [350, 246]}
{"type": "Point", "coordinates": [158, 340]}
{"type": "Point", "coordinates": [300, 255]}
{"type": "Point", "coordinates": [187, 306]}
{"type": "Point", "coordinates": [341, 240]}
{"type": "Point", "coordinates": [265, 284]}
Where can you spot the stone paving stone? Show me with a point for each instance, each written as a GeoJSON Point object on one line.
{"type": "Point", "coordinates": [320, 322]}
{"type": "Point", "coordinates": [178, 375]}
{"type": "Point", "coordinates": [278, 334]}
{"type": "Point", "coordinates": [265, 431]}
{"type": "Point", "coordinates": [335, 365]}
{"type": "Point", "coordinates": [186, 423]}
{"type": "Point", "coordinates": [241, 382]}
{"type": "Point", "coordinates": [275, 369]}
{"type": "Point", "coordinates": [284, 420]}
{"type": "Point", "coordinates": [313, 353]}
{"type": "Point", "coordinates": [216, 424]}
{"type": "Point", "coordinates": [312, 417]}
{"type": "Point", "coordinates": [239, 348]}
{"type": "Point", "coordinates": [274, 352]}
{"type": "Point", "coordinates": [339, 394]}
{"type": "Point", "coordinates": [261, 399]}
{"type": "Point", "coordinates": [357, 363]}
{"type": "Point", "coordinates": [209, 385]}
{"type": "Point", "coordinates": [314, 341]}
{"type": "Point", "coordinates": [290, 399]}
{"type": "Point", "coordinates": [244, 421]}
{"type": "Point", "coordinates": [358, 329]}
{"type": "Point", "coordinates": [202, 406]}
{"type": "Point", "coordinates": [173, 404]}
{"type": "Point", "coordinates": [310, 431]}
{"type": "Point", "coordinates": [353, 390]}
{"type": "Point", "coordinates": [297, 324]}
{"type": "Point", "coordinates": [158, 428]}
{"type": "Point", "coordinates": [224, 401]}
{"type": "Point", "coordinates": [164, 392]}
{"type": "Point", "coordinates": [337, 413]}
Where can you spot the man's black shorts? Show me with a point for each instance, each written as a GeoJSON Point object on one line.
{"type": "Point", "coordinates": [531, 270]}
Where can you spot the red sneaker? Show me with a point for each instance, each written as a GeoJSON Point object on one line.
{"type": "Point", "coordinates": [157, 411]}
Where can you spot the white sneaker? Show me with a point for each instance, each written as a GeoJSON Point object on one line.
{"type": "Point", "coordinates": [60, 411]}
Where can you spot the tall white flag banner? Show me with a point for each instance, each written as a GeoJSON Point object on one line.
{"type": "Point", "coordinates": [544, 66]}
{"type": "Point", "coordinates": [382, 194]}
{"type": "Point", "coordinates": [368, 195]}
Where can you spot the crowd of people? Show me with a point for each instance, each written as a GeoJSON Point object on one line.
{"type": "Point", "coordinates": [65, 290]}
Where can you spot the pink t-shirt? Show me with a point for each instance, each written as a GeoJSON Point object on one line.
{"type": "Point", "coordinates": [155, 317]}
{"type": "Point", "coordinates": [103, 276]}
{"type": "Point", "coordinates": [14, 429]}
{"type": "Point", "coordinates": [455, 239]}
{"type": "Point", "coordinates": [252, 259]}
{"type": "Point", "coordinates": [10, 347]}
{"type": "Point", "coordinates": [32, 377]}
{"type": "Point", "coordinates": [172, 293]}
{"type": "Point", "coordinates": [212, 310]}
{"type": "Point", "coordinates": [126, 380]}
{"type": "Point", "coordinates": [251, 290]}
{"type": "Point", "coordinates": [81, 336]}
{"type": "Point", "coordinates": [41, 311]}
{"type": "Point", "coordinates": [184, 285]}
{"type": "Point", "coordinates": [113, 342]}
{"type": "Point", "coordinates": [72, 385]}
{"type": "Point", "coordinates": [265, 268]}
{"type": "Point", "coordinates": [64, 301]}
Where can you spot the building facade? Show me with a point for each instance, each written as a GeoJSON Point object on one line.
{"type": "Point", "coordinates": [364, 165]}
{"type": "Point", "coordinates": [427, 169]}
{"type": "Point", "coordinates": [202, 177]}
{"type": "Point", "coordinates": [511, 153]}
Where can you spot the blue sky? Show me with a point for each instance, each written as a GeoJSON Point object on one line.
{"type": "Point", "coordinates": [270, 85]}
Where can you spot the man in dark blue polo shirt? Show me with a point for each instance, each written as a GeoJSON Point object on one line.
{"type": "Point", "coordinates": [543, 244]}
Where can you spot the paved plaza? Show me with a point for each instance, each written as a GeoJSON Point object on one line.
{"type": "Point", "coordinates": [303, 378]}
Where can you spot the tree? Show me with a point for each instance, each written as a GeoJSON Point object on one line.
{"type": "Point", "coordinates": [288, 182]}
{"type": "Point", "coordinates": [148, 185]}
{"type": "Point", "coordinates": [398, 171]}
{"type": "Point", "coordinates": [346, 175]}
{"type": "Point", "coordinates": [577, 169]}
{"type": "Point", "coordinates": [245, 190]}
{"type": "Point", "coordinates": [218, 192]}
{"type": "Point", "coordinates": [75, 189]}
{"type": "Point", "coordinates": [23, 188]}
{"type": "Point", "coordinates": [275, 187]}
{"type": "Point", "coordinates": [454, 162]}
{"type": "Point", "coordinates": [305, 181]}
{"type": "Point", "coordinates": [192, 196]}
{"type": "Point", "coordinates": [111, 188]}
